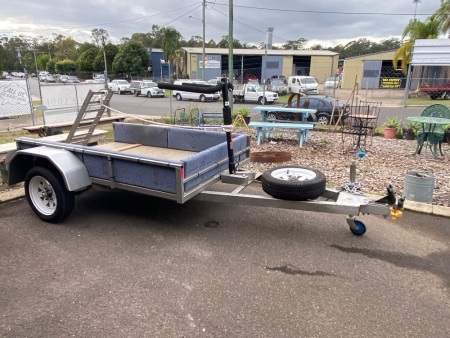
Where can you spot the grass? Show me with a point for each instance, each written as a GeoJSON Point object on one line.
{"type": "Point", "coordinates": [425, 101]}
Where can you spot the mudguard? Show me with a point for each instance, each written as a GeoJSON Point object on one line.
{"type": "Point", "coordinates": [71, 168]}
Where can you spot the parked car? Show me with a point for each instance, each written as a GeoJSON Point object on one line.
{"type": "Point", "coordinates": [64, 78]}
{"type": "Point", "coordinates": [277, 86]}
{"type": "Point", "coordinates": [182, 95]}
{"type": "Point", "coordinates": [5, 75]}
{"type": "Point", "coordinates": [120, 86]}
{"type": "Point", "coordinates": [324, 106]}
{"type": "Point", "coordinates": [49, 78]}
{"type": "Point", "coordinates": [303, 84]}
{"type": "Point", "coordinates": [214, 81]}
{"type": "Point", "coordinates": [333, 82]}
{"type": "Point", "coordinates": [250, 78]}
{"type": "Point", "coordinates": [147, 88]}
{"type": "Point", "coordinates": [278, 77]}
{"type": "Point", "coordinates": [42, 75]}
{"type": "Point", "coordinates": [73, 79]}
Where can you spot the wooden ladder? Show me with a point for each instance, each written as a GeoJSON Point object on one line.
{"type": "Point", "coordinates": [84, 124]}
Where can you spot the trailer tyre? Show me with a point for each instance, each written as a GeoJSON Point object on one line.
{"type": "Point", "coordinates": [47, 195]}
{"type": "Point", "coordinates": [293, 183]}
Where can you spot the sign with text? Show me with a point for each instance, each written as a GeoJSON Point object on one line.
{"type": "Point", "coordinates": [14, 99]}
{"type": "Point", "coordinates": [390, 82]}
{"type": "Point", "coordinates": [209, 64]}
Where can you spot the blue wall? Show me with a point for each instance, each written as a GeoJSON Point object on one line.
{"type": "Point", "coordinates": [274, 65]}
{"type": "Point", "coordinates": [210, 73]}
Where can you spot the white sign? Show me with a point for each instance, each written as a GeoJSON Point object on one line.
{"type": "Point", "coordinates": [14, 99]}
{"type": "Point", "coordinates": [210, 64]}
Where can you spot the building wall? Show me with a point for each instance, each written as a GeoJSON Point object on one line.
{"type": "Point", "coordinates": [323, 67]}
{"type": "Point", "coordinates": [288, 66]}
{"type": "Point", "coordinates": [354, 67]}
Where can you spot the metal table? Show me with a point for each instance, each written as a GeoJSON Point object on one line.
{"type": "Point", "coordinates": [266, 112]}
{"type": "Point", "coordinates": [429, 125]}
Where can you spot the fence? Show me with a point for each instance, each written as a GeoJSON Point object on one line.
{"type": "Point", "coordinates": [62, 102]}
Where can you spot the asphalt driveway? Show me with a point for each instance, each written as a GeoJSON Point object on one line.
{"type": "Point", "coordinates": [127, 265]}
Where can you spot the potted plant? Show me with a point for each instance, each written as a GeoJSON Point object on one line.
{"type": "Point", "coordinates": [391, 127]}
{"type": "Point", "coordinates": [411, 129]}
{"type": "Point", "coordinates": [447, 133]}
{"type": "Point", "coordinates": [244, 112]}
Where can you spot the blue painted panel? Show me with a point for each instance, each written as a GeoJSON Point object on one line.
{"type": "Point", "coordinates": [193, 139]}
{"type": "Point", "coordinates": [154, 136]}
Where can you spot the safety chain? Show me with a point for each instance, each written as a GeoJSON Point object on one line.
{"type": "Point", "coordinates": [353, 188]}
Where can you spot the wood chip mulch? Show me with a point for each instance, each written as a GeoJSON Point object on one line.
{"type": "Point", "coordinates": [385, 161]}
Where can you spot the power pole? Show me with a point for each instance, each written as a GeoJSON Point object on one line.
{"type": "Point", "coordinates": [203, 45]}
{"type": "Point", "coordinates": [415, 8]}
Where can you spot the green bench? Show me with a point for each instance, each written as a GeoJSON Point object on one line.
{"type": "Point", "coordinates": [263, 129]}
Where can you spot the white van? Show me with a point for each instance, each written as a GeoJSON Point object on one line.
{"type": "Point", "coordinates": [303, 84]}
{"type": "Point", "coordinates": [181, 95]}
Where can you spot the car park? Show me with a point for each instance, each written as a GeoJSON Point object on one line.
{"type": "Point", "coordinates": [324, 107]}
{"type": "Point", "coordinates": [332, 82]}
{"type": "Point", "coordinates": [120, 86]}
{"type": "Point", "coordinates": [182, 95]}
{"type": "Point", "coordinates": [147, 88]}
{"type": "Point", "coordinates": [277, 86]}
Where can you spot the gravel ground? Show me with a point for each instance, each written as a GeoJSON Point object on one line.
{"type": "Point", "coordinates": [385, 161]}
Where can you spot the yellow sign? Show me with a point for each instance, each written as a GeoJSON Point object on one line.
{"type": "Point", "coordinates": [390, 82]}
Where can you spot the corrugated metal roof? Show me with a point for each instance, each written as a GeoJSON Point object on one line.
{"type": "Point", "coordinates": [224, 51]}
{"type": "Point", "coordinates": [431, 52]}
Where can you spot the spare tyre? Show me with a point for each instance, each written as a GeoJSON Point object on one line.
{"type": "Point", "coordinates": [293, 183]}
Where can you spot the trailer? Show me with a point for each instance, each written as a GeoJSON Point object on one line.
{"type": "Point", "coordinates": [175, 163]}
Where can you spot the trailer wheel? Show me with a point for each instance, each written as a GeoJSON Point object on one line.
{"type": "Point", "coordinates": [47, 195]}
{"type": "Point", "coordinates": [357, 228]}
{"type": "Point", "coordinates": [293, 183]}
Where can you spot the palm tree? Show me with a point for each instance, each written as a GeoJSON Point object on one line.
{"type": "Point", "coordinates": [443, 16]}
{"type": "Point", "coordinates": [171, 42]}
{"type": "Point", "coordinates": [413, 31]}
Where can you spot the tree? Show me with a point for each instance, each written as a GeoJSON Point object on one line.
{"type": "Point", "coordinates": [66, 66]}
{"type": "Point", "coordinates": [85, 62]}
{"type": "Point", "coordinates": [170, 42]}
{"type": "Point", "coordinates": [295, 44]}
{"type": "Point", "coordinates": [66, 48]}
{"type": "Point", "coordinates": [132, 57]}
{"type": "Point", "coordinates": [42, 60]}
{"type": "Point", "coordinates": [50, 66]}
{"type": "Point", "coordinates": [145, 39]}
{"type": "Point", "coordinates": [413, 31]}
{"type": "Point", "coordinates": [223, 43]}
{"type": "Point", "coordinates": [99, 61]}
{"type": "Point", "coordinates": [443, 16]}
{"type": "Point", "coordinates": [100, 36]}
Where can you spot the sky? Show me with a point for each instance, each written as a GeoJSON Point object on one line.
{"type": "Point", "coordinates": [325, 22]}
